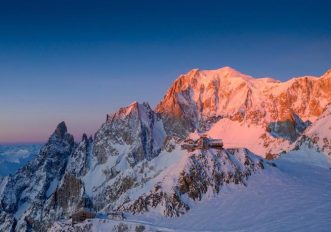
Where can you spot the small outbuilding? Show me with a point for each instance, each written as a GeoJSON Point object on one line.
{"type": "Point", "coordinates": [81, 215]}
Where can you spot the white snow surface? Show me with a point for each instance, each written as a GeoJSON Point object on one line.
{"type": "Point", "coordinates": [294, 196]}
{"type": "Point", "coordinates": [96, 177]}
{"type": "Point", "coordinates": [241, 134]}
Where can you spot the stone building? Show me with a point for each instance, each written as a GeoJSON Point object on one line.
{"type": "Point", "coordinates": [203, 143]}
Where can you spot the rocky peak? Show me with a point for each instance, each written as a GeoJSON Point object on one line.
{"type": "Point", "coordinates": [123, 112]}
{"type": "Point", "coordinates": [60, 130]}
{"type": "Point", "coordinates": [135, 127]}
{"type": "Point", "coordinates": [84, 138]}
{"type": "Point", "coordinates": [60, 136]}
{"type": "Point", "coordinates": [31, 186]}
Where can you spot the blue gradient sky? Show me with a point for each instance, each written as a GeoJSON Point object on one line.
{"type": "Point", "coordinates": [78, 60]}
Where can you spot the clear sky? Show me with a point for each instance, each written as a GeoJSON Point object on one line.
{"type": "Point", "coordinates": [78, 60]}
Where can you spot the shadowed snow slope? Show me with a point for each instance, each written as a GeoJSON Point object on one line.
{"type": "Point", "coordinates": [319, 133]}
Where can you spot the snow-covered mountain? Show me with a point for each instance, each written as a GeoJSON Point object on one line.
{"type": "Point", "coordinates": [201, 95]}
{"type": "Point", "coordinates": [293, 196]}
{"type": "Point", "coordinates": [268, 113]}
{"type": "Point", "coordinates": [24, 194]}
{"type": "Point", "coordinates": [134, 163]}
{"type": "Point", "coordinates": [66, 176]}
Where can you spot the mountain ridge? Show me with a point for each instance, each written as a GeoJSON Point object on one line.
{"type": "Point", "coordinates": [135, 164]}
{"type": "Point", "coordinates": [198, 99]}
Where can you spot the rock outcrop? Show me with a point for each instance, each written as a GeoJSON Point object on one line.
{"type": "Point", "coordinates": [137, 127]}
{"type": "Point", "coordinates": [289, 129]}
{"type": "Point", "coordinates": [318, 135]}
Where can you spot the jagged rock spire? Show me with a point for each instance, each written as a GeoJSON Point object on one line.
{"type": "Point", "coordinates": [60, 130]}
{"type": "Point", "coordinates": [84, 137]}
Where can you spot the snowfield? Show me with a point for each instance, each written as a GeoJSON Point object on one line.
{"type": "Point", "coordinates": [293, 196]}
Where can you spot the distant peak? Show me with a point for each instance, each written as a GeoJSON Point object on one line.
{"type": "Point", "coordinates": [194, 70]}
{"type": "Point", "coordinates": [136, 106]}
{"type": "Point", "coordinates": [60, 134]}
{"type": "Point", "coordinates": [226, 71]}
{"type": "Point", "coordinates": [123, 111]}
{"type": "Point", "coordinates": [134, 103]}
{"type": "Point", "coordinates": [327, 74]}
{"type": "Point", "coordinates": [84, 137]}
{"type": "Point", "coordinates": [229, 72]}
{"type": "Point", "coordinates": [61, 129]}
{"type": "Point", "coordinates": [132, 106]}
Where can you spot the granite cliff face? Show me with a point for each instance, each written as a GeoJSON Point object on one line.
{"type": "Point", "coordinates": [134, 163]}
{"type": "Point", "coordinates": [135, 128]}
